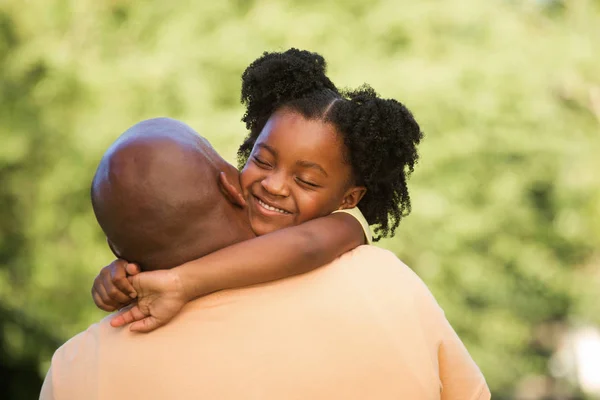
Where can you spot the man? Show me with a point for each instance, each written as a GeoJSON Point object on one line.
{"type": "Point", "coordinates": [362, 327]}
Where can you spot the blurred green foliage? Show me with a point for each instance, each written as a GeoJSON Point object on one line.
{"type": "Point", "coordinates": [505, 227]}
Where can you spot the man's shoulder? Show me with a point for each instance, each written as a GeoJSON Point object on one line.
{"type": "Point", "coordinates": [376, 264]}
{"type": "Point", "coordinates": [83, 345]}
{"type": "Point", "coordinates": [371, 252]}
{"type": "Point", "coordinates": [375, 258]}
{"type": "Point", "coordinates": [74, 366]}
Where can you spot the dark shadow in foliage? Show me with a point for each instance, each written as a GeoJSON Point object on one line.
{"type": "Point", "coordinates": [19, 368]}
{"type": "Point", "coordinates": [19, 376]}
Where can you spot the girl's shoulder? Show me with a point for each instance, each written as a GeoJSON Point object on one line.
{"type": "Point", "coordinates": [355, 212]}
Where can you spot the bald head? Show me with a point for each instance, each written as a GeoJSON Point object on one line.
{"type": "Point", "coordinates": [157, 198]}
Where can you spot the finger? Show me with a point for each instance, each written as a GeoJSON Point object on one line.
{"type": "Point", "coordinates": [127, 316]}
{"type": "Point", "coordinates": [145, 325]}
{"type": "Point", "coordinates": [135, 282]}
{"type": "Point", "coordinates": [96, 297]}
{"type": "Point", "coordinates": [133, 269]}
{"type": "Point", "coordinates": [104, 297]}
{"type": "Point", "coordinates": [109, 301]}
{"type": "Point", "coordinates": [99, 303]}
{"type": "Point", "coordinates": [118, 298]}
{"type": "Point", "coordinates": [118, 277]}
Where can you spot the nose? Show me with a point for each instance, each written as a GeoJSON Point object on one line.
{"type": "Point", "coordinates": [275, 185]}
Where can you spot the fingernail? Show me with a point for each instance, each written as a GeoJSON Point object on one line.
{"type": "Point", "coordinates": [133, 295]}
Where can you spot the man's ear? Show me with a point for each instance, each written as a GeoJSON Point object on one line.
{"type": "Point", "coordinates": [112, 248]}
{"type": "Point", "coordinates": [352, 197]}
{"type": "Point", "coordinates": [232, 189]}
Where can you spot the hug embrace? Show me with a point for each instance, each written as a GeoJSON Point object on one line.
{"type": "Point", "coordinates": [261, 282]}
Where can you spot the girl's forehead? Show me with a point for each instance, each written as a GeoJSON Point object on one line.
{"type": "Point", "coordinates": [290, 130]}
{"type": "Point", "coordinates": [298, 142]}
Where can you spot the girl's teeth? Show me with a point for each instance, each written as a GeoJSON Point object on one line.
{"type": "Point", "coordinates": [268, 207]}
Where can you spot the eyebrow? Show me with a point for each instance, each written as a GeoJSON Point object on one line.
{"type": "Point", "coordinates": [309, 164]}
{"type": "Point", "coordinates": [267, 147]}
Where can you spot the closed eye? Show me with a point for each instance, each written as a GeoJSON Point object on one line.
{"type": "Point", "coordinates": [260, 162]}
{"type": "Point", "coordinates": [306, 183]}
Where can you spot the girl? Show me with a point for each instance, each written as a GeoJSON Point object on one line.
{"type": "Point", "coordinates": [312, 150]}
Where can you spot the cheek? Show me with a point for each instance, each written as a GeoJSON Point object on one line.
{"type": "Point", "coordinates": [248, 176]}
{"type": "Point", "coordinates": [313, 205]}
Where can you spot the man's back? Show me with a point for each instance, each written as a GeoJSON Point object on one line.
{"type": "Point", "coordinates": [363, 327]}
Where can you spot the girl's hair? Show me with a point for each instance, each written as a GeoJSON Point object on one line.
{"type": "Point", "coordinates": [380, 135]}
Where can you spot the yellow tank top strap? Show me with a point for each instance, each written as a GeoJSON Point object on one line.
{"type": "Point", "coordinates": [355, 212]}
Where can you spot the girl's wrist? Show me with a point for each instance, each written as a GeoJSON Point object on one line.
{"type": "Point", "coordinates": [192, 280]}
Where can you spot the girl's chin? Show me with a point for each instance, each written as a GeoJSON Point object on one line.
{"type": "Point", "coordinates": [261, 228]}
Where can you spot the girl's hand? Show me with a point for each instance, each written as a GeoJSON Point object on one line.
{"type": "Point", "coordinates": [160, 297]}
{"type": "Point", "coordinates": [112, 290]}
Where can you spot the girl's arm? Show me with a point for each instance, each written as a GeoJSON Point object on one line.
{"type": "Point", "coordinates": [161, 294]}
{"type": "Point", "coordinates": [280, 254]}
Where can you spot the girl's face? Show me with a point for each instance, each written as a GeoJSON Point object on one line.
{"type": "Point", "coordinates": [296, 172]}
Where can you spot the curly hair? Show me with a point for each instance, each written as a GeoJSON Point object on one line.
{"type": "Point", "coordinates": [380, 135]}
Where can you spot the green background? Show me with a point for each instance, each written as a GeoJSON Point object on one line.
{"type": "Point", "coordinates": [505, 228]}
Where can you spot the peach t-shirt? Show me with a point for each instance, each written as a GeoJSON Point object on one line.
{"type": "Point", "coordinates": [363, 327]}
